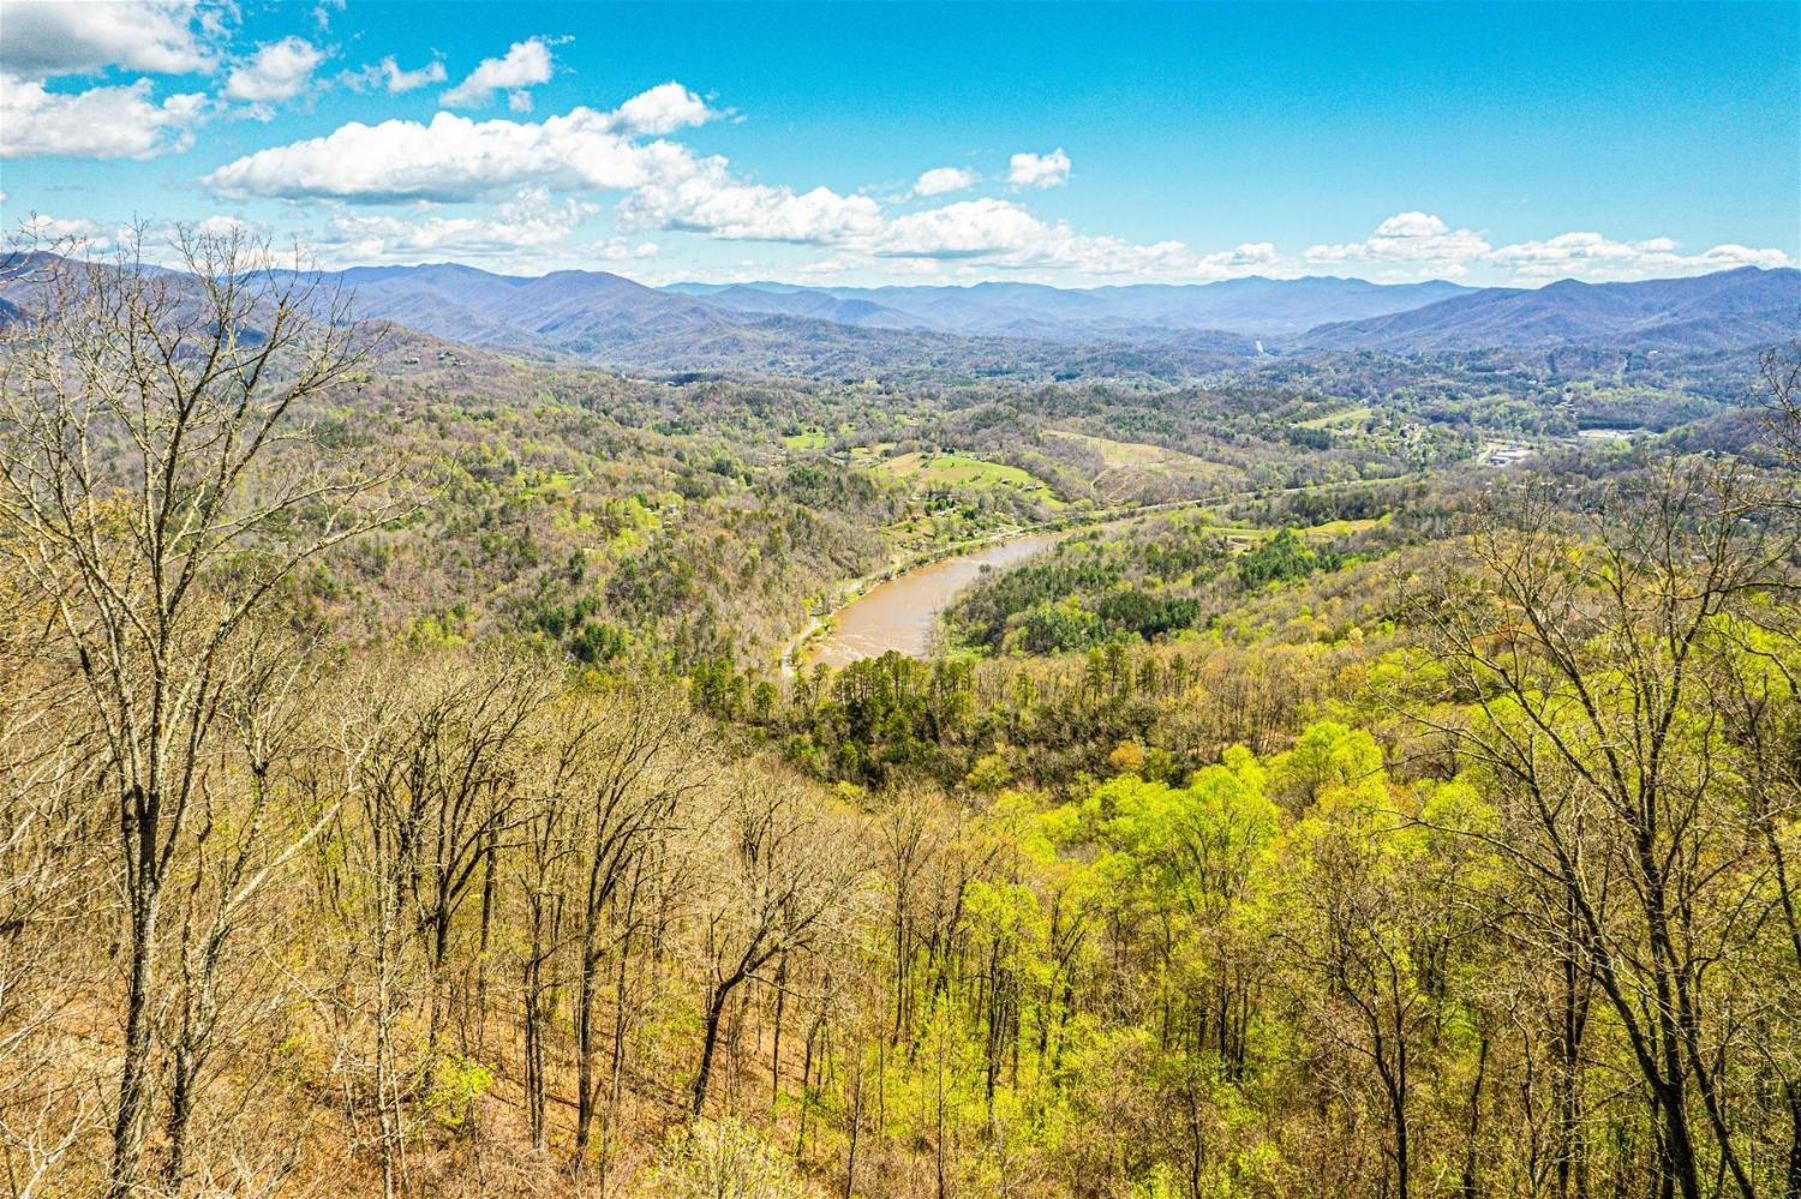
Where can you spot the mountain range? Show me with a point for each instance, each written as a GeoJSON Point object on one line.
{"type": "Point", "coordinates": [1252, 307]}
{"type": "Point", "coordinates": [611, 318]}
{"type": "Point", "coordinates": [1159, 330]}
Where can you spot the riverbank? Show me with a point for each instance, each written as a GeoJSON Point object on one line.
{"type": "Point", "coordinates": [821, 626]}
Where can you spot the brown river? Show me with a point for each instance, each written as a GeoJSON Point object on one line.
{"type": "Point", "coordinates": [902, 613]}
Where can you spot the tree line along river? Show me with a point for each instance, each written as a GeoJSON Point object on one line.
{"type": "Point", "coordinates": [902, 613]}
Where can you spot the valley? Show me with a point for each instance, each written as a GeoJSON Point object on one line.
{"type": "Point", "coordinates": [778, 743]}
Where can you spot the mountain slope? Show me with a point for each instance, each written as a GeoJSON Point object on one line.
{"type": "Point", "coordinates": [578, 311]}
{"type": "Point", "coordinates": [806, 302]}
{"type": "Point", "coordinates": [1735, 309]}
{"type": "Point", "coordinates": [735, 328]}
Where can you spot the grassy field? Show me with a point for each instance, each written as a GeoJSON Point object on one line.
{"type": "Point", "coordinates": [1333, 420]}
{"type": "Point", "coordinates": [1134, 453]}
{"type": "Point", "coordinates": [1126, 463]}
{"type": "Point", "coordinates": [952, 470]}
{"type": "Point", "coordinates": [809, 439]}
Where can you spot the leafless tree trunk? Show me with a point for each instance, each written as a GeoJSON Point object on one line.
{"type": "Point", "coordinates": [786, 872]}
{"type": "Point", "coordinates": [147, 435]}
{"type": "Point", "coordinates": [1592, 652]}
{"type": "Point", "coordinates": [639, 761]}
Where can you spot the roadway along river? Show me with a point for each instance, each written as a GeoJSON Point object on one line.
{"type": "Point", "coordinates": [902, 613]}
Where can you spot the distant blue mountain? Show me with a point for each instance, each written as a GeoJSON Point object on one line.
{"type": "Point", "coordinates": [1254, 307]}
{"type": "Point", "coordinates": [582, 309]}
{"type": "Point", "coordinates": [1158, 330]}
{"type": "Point", "coordinates": [1730, 310]}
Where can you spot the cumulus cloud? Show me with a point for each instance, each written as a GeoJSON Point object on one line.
{"type": "Point", "coordinates": [547, 172]}
{"type": "Point", "coordinates": [961, 230]}
{"type": "Point", "coordinates": [42, 41]}
{"type": "Point", "coordinates": [941, 181]}
{"type": "Point", "coordinates": [61, 39]}
{"type": "Point", "coordinates": [702, 196]}
{"type": "Point", "coordinates": [618, 249]}
{"type": "Point", "coordinates": [531, 220]}
{"type": "Point", "coordinates": [1039, 170]}
{"type": "Point", "coordinates": [525, 64]}
{"type": "Point", "coordinates": [459, 158]}
{"type": "Point", "coordinates": [277, 71]}
{"type": "Point", "coordinates": [665, 108]}
{"type": "Point", "coordinates": [1731, 255]}
{"type": "Point", "coordinates": [1419, 244]}
{"type": "Point", "coordinates": [664, 185]}
{"type": "Point", "coordinates": [1002, 233]}
{"type": "Point", "coordinates": [397, 80]}
{"type": "Point", "coordinates": [220, 225]}
{"type": "Point", "coordinates": [1593, 256]}
{"type": "Point", "coordinates": [63, 231]}
{"type": "Point", "coordinates": [102, 122]}
{"type": "Point", "coordinates": [452, 158]}
{"type": "Point", "coordinates": [1418, 241]}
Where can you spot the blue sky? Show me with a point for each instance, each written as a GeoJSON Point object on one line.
{"type": "Point", "coordinates": [860, 143]}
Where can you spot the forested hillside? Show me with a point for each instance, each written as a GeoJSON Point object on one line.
{"type": "Point", "coordinates": [1387, 786]}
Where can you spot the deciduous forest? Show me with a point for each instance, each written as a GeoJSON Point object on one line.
{"type": "Point", "coordinates": [401, 793]}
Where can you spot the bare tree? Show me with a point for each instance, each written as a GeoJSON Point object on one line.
{"type": "Point", "coordinates": [246, 829]}
{"type": "Point", "coordinates": [787, 869]}
{"type": "Point", "coordinates": [53, 891]}
{"type": "Point", "coordinates": [545, 884]}
{"type": "Point", "coordinates": [436, 770]}
{"type": "Point", "coordinates": [1591, 650]}
{"type": "Point", "coordinates": [157, 488]}
{"type": "Point", "coordinates": [1782, 383]}
{"type": "Point", "coordinates": [640, 759]}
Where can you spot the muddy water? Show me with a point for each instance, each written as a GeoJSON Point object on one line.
{"type": "Point", "coordinates": [902, 613]}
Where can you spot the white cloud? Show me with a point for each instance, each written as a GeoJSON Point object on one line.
{"type": "Point", "coordinates": [1592, 256]}
{"type": "Point", "coordinates": [1417, 244]}
{"type": "Point", "coordinates": [452, 158]}
{"type": "Point", "coordinates": [1039, 170]}
{"type": "Point", "coordinates": [1728, 256]}
{"type": "Point", "coordinates": [1002, 233]}
{"type": "Point", "coordinates": [941, 181]}
{"type": "Point", "coordinates": [963, 229]}
{"type": "Point", "coordinates": [225, 226]}
{"type": "Point", "coordinates": [77, 231]}
{"type": "Point", "coordinates": [618, 249]}
{"type": "Point", "coordinates": [61, 39]}
{"type": "Point", "coordinates": [667, 186]}
{"type": "Point", "coordinates": [702, 196]}
{"type": "Point", "coordinates": [665, 108]}
{"type": "Point", "coordinates": [391, 77]}
{"type": "Point", "coordinates": [102, 122]}
{"type": "Point", "coordinates": [398, 81]}
{"type": "Point", "coordinates": [277, 71]}
{"type": "Point", "coordinates": [1416, 241]}
{"type": "Point", "coordinates": [526, 64]}
{"type": "Point", "coordinates": [459, 158]}
{"type": "Point", "coordinates": [531, 220]}
{"type": "Point", "coordinates": [552, 169]}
